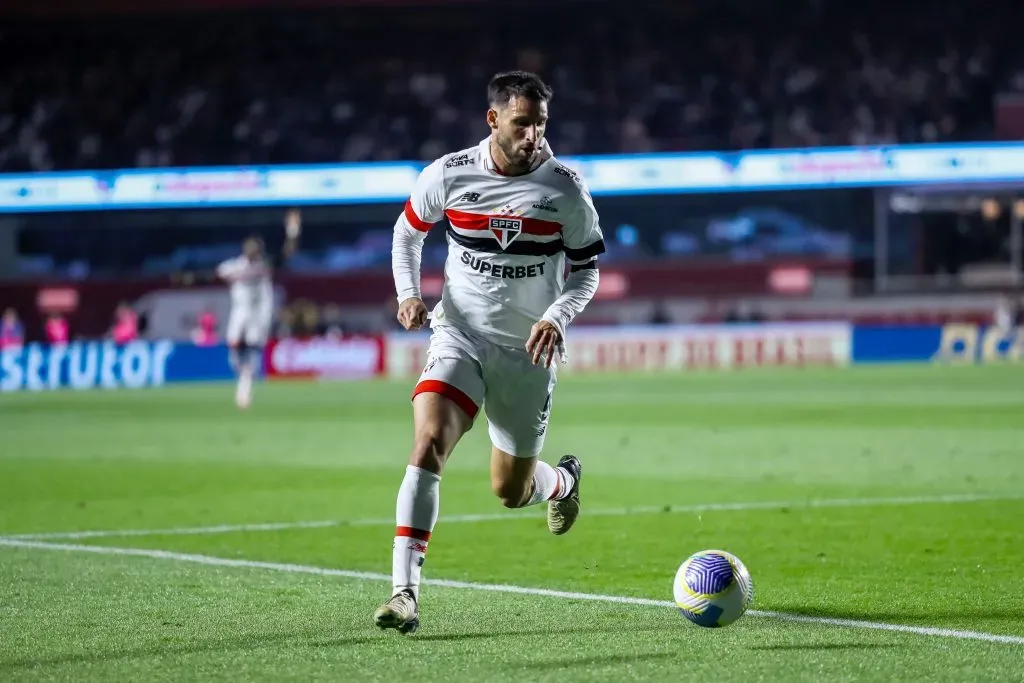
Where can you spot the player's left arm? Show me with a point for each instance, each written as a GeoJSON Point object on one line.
{"type": "Point", "coordinates": [583, 243]}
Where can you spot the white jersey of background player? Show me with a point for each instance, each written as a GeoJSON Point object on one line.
{"type": "Point", "coordinates": [252, 304]}
{"type": "Point", "coordinates": [515, 216]}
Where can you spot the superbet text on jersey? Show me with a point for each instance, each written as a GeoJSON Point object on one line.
{"type": "Point", "coordinates": [508, 237]}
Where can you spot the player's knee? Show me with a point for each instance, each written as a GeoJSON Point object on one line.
{"type": "Point", "coordinates": [511, 493]}
{"type": "Point", "coordinates": [429, 449]}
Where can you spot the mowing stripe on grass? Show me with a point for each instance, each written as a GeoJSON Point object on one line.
{"type": "Point", "coordinates": [535, 514]}
{"type": "Point", "coordinates": [497, 588]}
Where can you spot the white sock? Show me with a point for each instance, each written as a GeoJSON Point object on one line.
{"type": "Point", "coordinates": [550, 483]}
{"type": "Point", "coordinates": [244, 393]}
{"type": "Point", "coordinates": [415, 516]}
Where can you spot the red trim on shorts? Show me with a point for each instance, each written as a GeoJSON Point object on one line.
{"type": "Point", "coordinates": [409, 532]}
{"type": "Point", "coordinates": [414, 220]}
{"type": "Point", "coordinates": [453, 394]}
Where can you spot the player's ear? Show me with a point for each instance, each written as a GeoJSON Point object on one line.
{"type": "Point", "coordinates": [492, 118]}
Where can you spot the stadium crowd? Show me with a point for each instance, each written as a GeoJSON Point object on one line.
{"type": "Point", "coordinates": [362, 84]}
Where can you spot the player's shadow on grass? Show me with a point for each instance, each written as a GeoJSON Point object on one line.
{"type": "Point", "coordinates": [455, 637]}
{"type": "Point", "coordinates": [255, 642]}
{"type": "Point", "coordinates": [827, 646]}
{"type": "Point", "coordinates": [555, 631]}
{"type": "Point", "coordinates": [249, 643]}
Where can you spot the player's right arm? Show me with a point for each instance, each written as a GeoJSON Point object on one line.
{"type": "Point", "coordinates": [424, 208]}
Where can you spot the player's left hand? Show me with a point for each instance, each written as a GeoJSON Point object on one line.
{"type": "Point", "coordinates": [544, 339]}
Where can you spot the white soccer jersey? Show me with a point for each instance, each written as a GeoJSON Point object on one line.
{"type": "Point", "coordinates": [251, 285]}
{"type": "Point", "coordinates": [508, 239]}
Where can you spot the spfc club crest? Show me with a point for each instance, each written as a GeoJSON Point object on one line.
{"type": "Point", "coordinates": [505, 229]}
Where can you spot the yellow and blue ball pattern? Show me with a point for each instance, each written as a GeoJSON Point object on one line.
{"type": "Point", "coordinates": [713, 588]}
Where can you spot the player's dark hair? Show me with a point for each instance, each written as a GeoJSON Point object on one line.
{"type": "Point", "coordinates": [504, 86]}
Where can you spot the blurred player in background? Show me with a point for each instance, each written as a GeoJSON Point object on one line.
{"type": "Point", "coordinates": [205, 331]}
{"type": "Point", "coordinates": [252, 302]}
{"type": "Point", "coordinates": [126, 324]}
{"type": "Point", "coordinates": [12, 331]}
{"type": "Point", "coordinates": [57, 329]}
{"type": "Point", "coordinates": [516, 216]}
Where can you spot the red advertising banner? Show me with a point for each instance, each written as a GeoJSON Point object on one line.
{"type": "Point", "coordinates": [331, 357]}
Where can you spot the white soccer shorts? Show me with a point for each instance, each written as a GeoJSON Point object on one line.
{"type": "Point", "coordinates": [249, 325]}
{"type": "Point", "coordinates": [476, 373]}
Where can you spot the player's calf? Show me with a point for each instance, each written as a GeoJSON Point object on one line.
{"type": "Point", "coordinates": [235, 353]}
{"type": "Point", "coordinates": [512, 493]}
{"type": "Point", "coordinates": [244, 358]}
{"type": "Point", "coordinates": [520, 482]}
{"type": "Point", "coordinates": [429, 448]}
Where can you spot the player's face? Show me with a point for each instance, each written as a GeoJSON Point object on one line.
{"type": "Point", "coordinates": [251, 249]}
{"type": "Point", "coordinates": [519, 129]}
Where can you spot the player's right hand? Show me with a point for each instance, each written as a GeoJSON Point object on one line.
{"type": "Point", "coordinates": [412, 313]}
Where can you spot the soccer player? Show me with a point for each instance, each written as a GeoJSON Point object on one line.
{"type": "Point", "coordinates": [252, 303]}
{"type": "Point", "coordinates": [515, 215]}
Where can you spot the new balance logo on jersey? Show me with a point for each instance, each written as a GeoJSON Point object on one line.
{"type": "Point", "coordinates": [505, 230]}
{"type": "Point", "coordinates": [469, 197]}
{"type": "Point", "coordinates": [545, 205]}
{"type": "Point", "coordinates": [485, 267]}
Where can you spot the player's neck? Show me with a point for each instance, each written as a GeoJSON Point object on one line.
{"type": "Point", "coordinates": [502, 165]}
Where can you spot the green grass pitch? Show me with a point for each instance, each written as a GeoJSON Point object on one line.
{"type": "Point", "coordinates": [889, 495]}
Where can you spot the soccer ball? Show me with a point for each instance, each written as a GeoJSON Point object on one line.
{"type": "Point", "coordinates": [713, 588]}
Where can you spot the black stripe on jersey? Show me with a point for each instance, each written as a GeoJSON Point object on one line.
{"type": "Point", "coordinates": [518, 247]}
{"type": "Point", "coordinates": [588, 252]}
{"type": "Point", "coordinates": [589, 265]}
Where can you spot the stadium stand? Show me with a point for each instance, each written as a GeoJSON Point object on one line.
{"type": "Point", "coordinates": [272, 86]}
{"type": "Point", "coordinates": [365, 84]}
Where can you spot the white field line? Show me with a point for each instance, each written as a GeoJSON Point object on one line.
{"type": "Point", "coordinates": [499, 588]}
{"type": "Point", "coordinates": [534, 514]}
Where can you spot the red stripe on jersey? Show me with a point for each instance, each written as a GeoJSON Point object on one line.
{"type": "Point", "coordinates": [414, 220]}
{"type": "Point", "coordinates": [409, 532]}
{"type": "Point", "coordinates": [453, 394]}
{"type": "Point", "coordinates": [476, 221]}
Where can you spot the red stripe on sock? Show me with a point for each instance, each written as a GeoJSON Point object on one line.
{"type": "Point", "coordinates": [409, 532]}
{"type": "Point", "coordinates": [558, 485]}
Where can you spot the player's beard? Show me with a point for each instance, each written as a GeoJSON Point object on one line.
{"type": "Point", "coordinates": [516, 155]}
